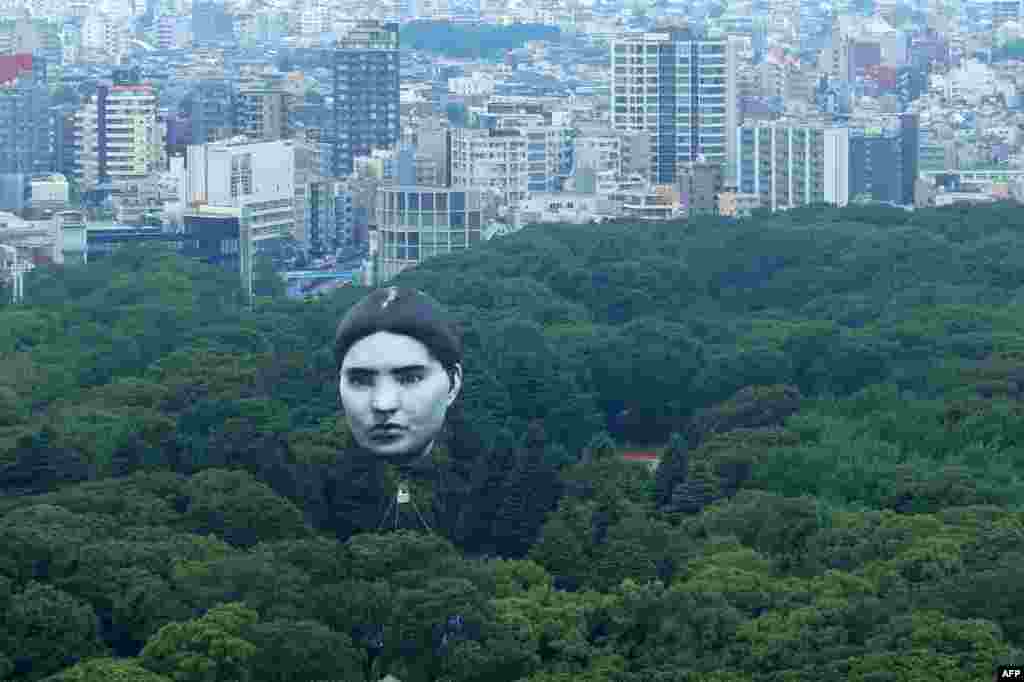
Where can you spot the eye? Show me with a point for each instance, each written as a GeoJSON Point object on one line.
{"type": "Point", "coordinates": [359, 379]}
{"type": "Point", "coordinates": [410, 379]}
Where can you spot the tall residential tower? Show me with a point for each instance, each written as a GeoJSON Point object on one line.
{"type": "Point", "coordinates": [366, 116]}
{"type": "Point", "coordinates": [682, 90]}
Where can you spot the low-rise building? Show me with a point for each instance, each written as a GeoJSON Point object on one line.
{"type": "Point", "coordinates": [735, 204]}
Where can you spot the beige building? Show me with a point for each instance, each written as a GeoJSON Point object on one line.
{"type": "Point", "coordinates": [734, 204]}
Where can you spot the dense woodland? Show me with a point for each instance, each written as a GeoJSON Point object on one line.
{"type": "Point", "coordinates": [473, 41]}
{"type": "Point", "coordinates": [837, 394]}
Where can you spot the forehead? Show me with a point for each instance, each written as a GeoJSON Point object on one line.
{"type": "Point", "coordinates": [386, 350]}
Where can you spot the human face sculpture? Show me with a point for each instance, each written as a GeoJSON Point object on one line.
{"type": "Point", "coordinates": [395, 394]}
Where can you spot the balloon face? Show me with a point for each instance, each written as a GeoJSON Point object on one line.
{"type": "Point", "coordinates": [395, 394]}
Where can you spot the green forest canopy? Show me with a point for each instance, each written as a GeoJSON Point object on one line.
{"type": "Point", "coordinates": [472, 41]}
{"type": "Point", "coordinates": [840, 493]}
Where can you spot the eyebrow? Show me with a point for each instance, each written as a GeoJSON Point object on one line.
{"type": "Point", "coordinates": [369, 370]}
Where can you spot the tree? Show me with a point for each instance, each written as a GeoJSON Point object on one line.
{"type": "Point", "coordinates": [107, 670]}
{"type": "Point", "coordinates": [46, 629]}
{"type": "Point", "coordinates": [697, 492]}
{"type": "Point", "coordinates": [207, 649]}
{"type": "Point", "coordinates": [673, 469]}
{"type": "Point", "coordinates": [240, 509]}
{"type": "Point", "coordinates": [306, 650]}
{"type": "Point", "coordinates": [600, 448]}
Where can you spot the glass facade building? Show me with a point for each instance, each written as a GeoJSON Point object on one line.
{"type": "Point", "coordinates": [416, 223]}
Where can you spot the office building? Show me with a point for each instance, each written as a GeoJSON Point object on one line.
{"type": "Point", "coordinates": [787, 166]}
{"type": "Point", "coordinates": [416, 223]}
{"type": "Point", "coordinates": [884, 159]}
{"type": "Point", "coordinates": [24, 115]}
{"type": "Point", "coordinates": [243, 195]}
{"type": "Point", "coordinates": [237, 173]}
{"type": "Point", "coordinates": [682, 91]}
{"type": "Point", "coordinates": [365, 72]}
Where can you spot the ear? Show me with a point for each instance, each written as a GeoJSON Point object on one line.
{"type": "Point", "coordinates": [456, 375]}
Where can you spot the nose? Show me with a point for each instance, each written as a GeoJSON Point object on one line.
{"type": "Point", "coordinates": [385, 397]}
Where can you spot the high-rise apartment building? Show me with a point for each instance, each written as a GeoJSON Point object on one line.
{"type": "Point", "coordinates": [680, 89]}
{"type": "Point", "coordinates": [118, 136]}
{"type": "Point", "coordinates": [788, 166]}
{"type": "Point", "coordinates": [366, 115]}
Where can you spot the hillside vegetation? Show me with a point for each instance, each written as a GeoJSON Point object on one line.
{"type": "Point", "coordinates": [840, 495]}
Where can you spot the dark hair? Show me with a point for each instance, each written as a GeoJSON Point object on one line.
{"type": "Point", "coordinates": [399, 310]}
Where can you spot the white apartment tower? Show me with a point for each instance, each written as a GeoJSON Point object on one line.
{"type": "Point", "coordinates": [118, 136]}
{"type": "Point", "coordinates": [788, 166]}
{"type": "Point", "coordinates": [682, 90]}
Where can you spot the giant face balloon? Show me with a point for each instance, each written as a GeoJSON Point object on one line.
{"type": "Point", "coordinates": [395, 394]}
{"type": "Point", "coordinates": [399, 372]}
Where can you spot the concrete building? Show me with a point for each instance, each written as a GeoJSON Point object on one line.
{"type": "Point", "coordinates": [261, 111]}
{"type": "Point", "coordinates": [70, 233]}
{"type": "Point", "coordinates": [365, 73]}
{"type": "Point", "coordinates": [548, 133]}
{"type": "Point", "coordinates": [735, 204]}
{"type": "Point", "coordinates": [211, 111]}
{"type": "Point", "coordinates": [682, 91]}
{"type": "Point", "coordinates": [564, 207]}
{"type": "Point", "coordinates": [306, 166]}
{"type": "Point", "coordinates": [598, 162]}
{"type": "Point", "coordinates": [24, 116]}
{"type": "Point", "coordinates": [491, 160]}
{"type": "Point", "coordinates": [50, 192]}
{"type": "Point", "coordinates": [699, 186]}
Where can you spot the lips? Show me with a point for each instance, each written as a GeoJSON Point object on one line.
{"type": "Point", "coordinates": [389, 430]}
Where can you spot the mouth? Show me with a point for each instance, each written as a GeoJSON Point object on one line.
{"type": "Point", "coordinates": [386, 432]}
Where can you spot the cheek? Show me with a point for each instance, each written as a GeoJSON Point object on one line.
{"type": "Point", "coordinates": [432, 399]}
